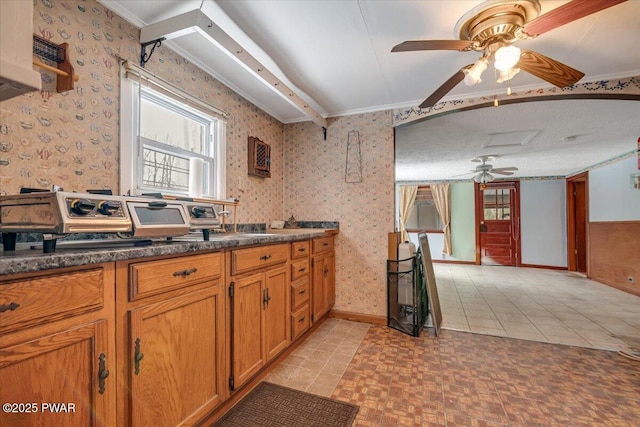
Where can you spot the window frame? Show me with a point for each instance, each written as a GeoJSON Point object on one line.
{"type": "Point", "coordinates": [425, 189]}
{"type": "Point", "coordinates": [132, 147]}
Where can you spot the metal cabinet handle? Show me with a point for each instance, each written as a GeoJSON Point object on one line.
{"type": "Point", "coordinates": [301, 270]}
{"type": "Point", "coordinates": [103, 373]}
{"type": "Point", "coordinates": [302, 249]}
{"type": "Point", "coordinates": [9, 307]}
{"type": "Point", "coordinates": [265, 257]}
{"type": "Point", "coordinates": [137, 357]}
{"type": "Point", "coordinates": [301, 319]}
{"type": "Point", "coordinates": [185, 273]}
{"type": "Point", "coordinates": [302, 291]}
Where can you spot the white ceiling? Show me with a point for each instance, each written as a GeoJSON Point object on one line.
{"type": "Point", "coordinates": [336, 54]}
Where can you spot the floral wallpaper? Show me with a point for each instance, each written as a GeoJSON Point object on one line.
{"type": "Point", "coordinates": [72, 139]}
{"type": "Point", "coordinates": [316, 187]}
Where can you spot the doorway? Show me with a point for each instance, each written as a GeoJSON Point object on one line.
{"type": "Point", "coordinates": [498, 223]}
{"type": "Point", "coordinates": [577, 221]}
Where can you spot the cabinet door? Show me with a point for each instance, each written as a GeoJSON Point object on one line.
{"type": "Point", "coordinates": [318, 293]}
{"type": "Point", "coordinates": [276, 312]}
{"type": "Point", "coordinates": [176, 353]}
{"type": "Point", "coordinates": [330, 280]}
{"type": "Point", "coordinates": [247, 328]}
{"type": "Point", "coordinates": [61, 368]}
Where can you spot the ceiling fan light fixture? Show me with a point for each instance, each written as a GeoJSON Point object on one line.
{"type": "Point", "coordinates": [506, 58]}
{"type": "Point", "coordinates": [507, 75]}
{"type": "Point", "coordinates": [483, 177]}
{"type": "Point", "coordinates": [473, 74]}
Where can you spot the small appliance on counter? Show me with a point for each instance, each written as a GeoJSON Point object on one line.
{"type": "Point", "coordinates": [56, 214]}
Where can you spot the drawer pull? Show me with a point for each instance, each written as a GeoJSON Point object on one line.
{"type": "Point", "coordinates": [325, 244]}
{"type": "Point", "coordinates": [103, 373]}
{"type": "Point", "coordinates": [302, 249]}
{"type": "Point", "coordinates": [302, 291]}
{"type": "Point", "coordinates": [138, 356]}
{"type": "Point", "coordinates": [185, 273]}
{"type": "Point", "coordinates": [265, 257]}
{"type": "Point", "coordinates": [301, 270]}
{"type": "Point", "coordinates": [9, 307]}
{"type": "Point", "coordinates": [301, 319]}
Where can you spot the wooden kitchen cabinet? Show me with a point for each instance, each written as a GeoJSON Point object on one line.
{"type": "Point", "coordinates": [322, 276]}
{"type": "Point", "coordinates": [259, 310]}
{"type": "Point", "coordinates": [57, 346]}
{"type": "Point", "coordinates": [300, 289]}
{"type": "Point", "coordinates": [171, 361]}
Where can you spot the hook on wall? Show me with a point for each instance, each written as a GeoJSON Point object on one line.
{"type": "Point", "coordinates": [144, 58]}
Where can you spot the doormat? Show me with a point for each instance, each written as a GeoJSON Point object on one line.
{"type": "Point", "coordinates": [274, 405]}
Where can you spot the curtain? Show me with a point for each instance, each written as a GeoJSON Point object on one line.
{"type": "Point", "coordinates": [442, 201]}
{"type": "Point", "coordinates": [407, 199]}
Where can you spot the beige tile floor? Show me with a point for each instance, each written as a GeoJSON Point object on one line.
{"type": "Point", "coordinates": [535, 304]}
{"type": "Point", "coordinates": [317, 365]}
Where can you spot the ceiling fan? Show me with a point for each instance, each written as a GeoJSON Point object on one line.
{"type": "Point", "coordinates": [493, 27]}
{"type": "Point", "coordinates": [483, 172]}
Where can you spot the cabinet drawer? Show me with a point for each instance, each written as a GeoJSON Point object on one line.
{"type": "Point", "coordinates": [244, 260]}
{"type": "Point", "coordinates": [299, 293]}
{"type": "Point", "coordinates": [322, 244]}
{"type": "Point", "coordinates": [154, 277]}
{"type": "Point", "coordinates": [299, 249]}
{"type": "Point", "coordinates": [299, 269]}
{"type": "Point", "coordinates": [299, 322]}
{"type": "Point", "coordinates": [47, 298]}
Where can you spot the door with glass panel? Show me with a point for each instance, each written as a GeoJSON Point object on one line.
{"type": "Point", "coordinates": [498, 223]}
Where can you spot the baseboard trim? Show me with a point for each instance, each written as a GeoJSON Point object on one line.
{"type": "Point", "coordinates": [630, 289]}
{"type": "Point", "coordinates": [452, 261]}
{"type": "Point", "coordinates": [548, 267]}
{"type": "Point", "coordinates": [358, 317]}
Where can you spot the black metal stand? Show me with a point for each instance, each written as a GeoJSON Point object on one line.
{"type": "Point", "coordinates": [407, 305]}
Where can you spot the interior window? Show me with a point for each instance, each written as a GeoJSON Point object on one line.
{"type": "Point", "coordinates": [424, 215]}
{"type": "Point", "coordinates": [496, 204]}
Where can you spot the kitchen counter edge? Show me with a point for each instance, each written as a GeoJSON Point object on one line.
{"type": "Point", "coordinates": [30, 261]}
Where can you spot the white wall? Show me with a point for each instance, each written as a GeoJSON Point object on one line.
{"type": "Point", "coordinates": [543, 222]}
{"type": "Point", "coordinates": [611, 197]}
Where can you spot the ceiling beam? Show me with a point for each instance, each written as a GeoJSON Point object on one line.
{"type": "Point", "coordinates": [197, 21]}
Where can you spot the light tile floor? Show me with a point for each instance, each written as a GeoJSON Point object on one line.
{"type": "Point", "coordinates": [536, 304]}
{"type": "Point", "coordinates": [317, 365]}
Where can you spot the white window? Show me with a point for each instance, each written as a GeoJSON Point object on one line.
{"type": "Point", "coordinates": [160, 140]}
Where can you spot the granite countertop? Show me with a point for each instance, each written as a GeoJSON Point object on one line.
{"type": "Point", "coordinates": [27, 260]}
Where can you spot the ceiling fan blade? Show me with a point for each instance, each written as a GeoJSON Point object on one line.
{"type": "Point", "coordinates": [445, 88]}
{"type": "Point", "coordinates": [566, 13]}
{"type": "Point", "coordinates": [550, 70]}
{"type": "Point", "coordinates": [507, 169]}
{"type": "Point", "coordinates": [497, 172]}
{"type": "Point", "coordinates": [414, 45]}
{"type": "Point", "coordinates": [466, 173]}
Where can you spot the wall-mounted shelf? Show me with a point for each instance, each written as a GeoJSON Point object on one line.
{"type": "Point", "coordinates": [58, 53]}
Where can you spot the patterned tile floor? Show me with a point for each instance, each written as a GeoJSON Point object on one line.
{"type": "Point", "coordinates": [472, 379]}
{"type": "Point", "coordinates": [536, 304]}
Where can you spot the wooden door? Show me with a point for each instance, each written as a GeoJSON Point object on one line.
{"type": "Point", "coordinates": [581, 227]}
{"type": "Point", "coordinates": [176, 350]}
{"type": "Point", "coordinates": [330, 277]}
{"type": "Point", "coordinates": [61, 368]}
{"type": "Point", "coordinates": [276, 312]}
{"type": "Point", "coordinates": [318, 292]}
{"type": "Point", "coordinates": [247, 328]}
{"type": "Point", "coordinates": [498, 223]}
